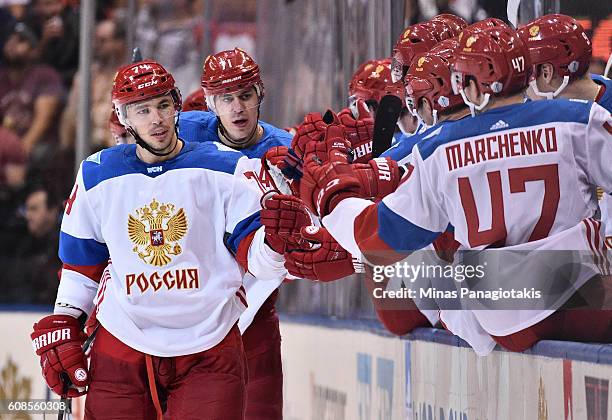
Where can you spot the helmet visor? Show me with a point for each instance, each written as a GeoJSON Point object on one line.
{"type": "Point", "coordinates": [236, 102]}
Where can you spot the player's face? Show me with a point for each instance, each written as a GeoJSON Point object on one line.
{"type": "Point", "coordinates": [153, 120]}
{"type": "Point", "coordinates": [238, 112]}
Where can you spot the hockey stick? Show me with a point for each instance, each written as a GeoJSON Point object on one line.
{"type": "Point", "coordinates": [136, 55]}
{"type": "Point", "coordinates": [388, 113]}
{"type": "Point", "coordinates": [66, 402]}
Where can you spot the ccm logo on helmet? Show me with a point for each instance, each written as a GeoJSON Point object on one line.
{"type": "Point", "coordinates": [233, 79]}
{"type": "Point", "coordinates": [147, 84]}
{"type": "Point", "coordinates": [50, 338]}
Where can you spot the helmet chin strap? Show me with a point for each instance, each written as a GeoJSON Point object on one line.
{"type": "Point", "coordinates": [549, 95]}
{"type": "Point", "coordinates": [473, 107]}
{"type": "Point", "coordinates": [237, 144]}
{"type": "Point", "coordinates": [140, 142]}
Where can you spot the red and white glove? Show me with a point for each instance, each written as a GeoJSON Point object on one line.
{"type": "Point", "coordinates": [312, 129]}
{"type": "Point", "coordinates": [283, 217]}
{"type": "Point", "coordinates": [324, 185]}
{"type": "Point", "coordinates": [328, 262]}
{"type": "Point", "coordinates": [284, 168]}
{"type": "Point", "coordinates": [378, 178]}
{"type": "Point", "coordinates": [359, 131]}
{"type": "Point", "coordinates": [58, 340]}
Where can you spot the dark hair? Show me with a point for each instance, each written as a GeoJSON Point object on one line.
{"type": "Point", "coordinates": [53, 200]}
{"type": "Point", "coordinates": [24, 32]}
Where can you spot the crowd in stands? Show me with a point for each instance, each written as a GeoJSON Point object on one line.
{"type": "Point", "coordinates": [39, 108]}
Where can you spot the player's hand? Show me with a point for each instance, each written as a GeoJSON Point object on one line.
{"type": "Point", "coordinates": [312, 130]}
{"type": "Point", "coordinates": [359, 131]}
{"type": "Point", "coordinates": [284, 169]}
{"type": "Point", "coordinates": [58, 340]}
{"type": "Point", "coordinates": [378, 178]}
{"type": "Point", "coordinates": [324, 185]}
{"type": "Point", "coordinates": [327, 262]}
{"type": "Point", "coordinates": [283, 217]}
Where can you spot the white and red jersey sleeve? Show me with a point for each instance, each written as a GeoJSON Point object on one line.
{"type": "Point", "coordinates": [82, 250]}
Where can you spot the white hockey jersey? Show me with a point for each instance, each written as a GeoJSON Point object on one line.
{"type": "Point", "coordinates": [511, 175]}
{"type": "Point", "coordinates": [198, 126]}
{"type": "Point", "coordinates": [170, 229]}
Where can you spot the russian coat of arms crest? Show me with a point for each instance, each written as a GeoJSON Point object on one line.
{"type": "Point", "coordinates": [156, 231]}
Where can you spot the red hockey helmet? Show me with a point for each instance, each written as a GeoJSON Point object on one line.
{"type": "Point", "coordinates": [446, 49]}
{"type": "Point", "coordinates": [439, 29]}
{"type": "Point", "coordinates": [496, 58]}
{"type": "Point", "coordinates": [195, 101]}
{"type": "Point", "coordinates": [416, 39]}
{"type": "Point", "coordinates": [484, 24]}
{"type": "Point", "coordinates": [370, 80]}
{"type": "Point", "coordinates": [230, 71]}
{"type": "Point", "coordinates": [455, 23]}
{"type": "Point", "coordinates": [141, 81]}
{"type": "Point", "coordinates": [561, 41]}
{"type": "Point", "coordinates": [430, 79]}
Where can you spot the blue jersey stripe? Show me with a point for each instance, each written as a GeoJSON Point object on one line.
{"type": "Point", "coordinates": [514, 116]}
{"type": "Point", "coordinates": [399, 233]}
{"type": "Point", "coordinates": [242, 229]}
{"type": "Point", "coordinates": [122, 160]}
{"type": "Point", "coordinates": [77, 251]}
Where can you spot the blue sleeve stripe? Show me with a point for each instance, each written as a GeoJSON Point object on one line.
{"type": "Point", "coordinates": [242, 229]}
{"type": "Point", "coordinates": [399, 233]}
{"type": "Point", "coordinates": [77, 251]}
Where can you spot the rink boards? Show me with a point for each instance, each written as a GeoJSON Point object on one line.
{"type": "Point", "coordinates": [353, 370]}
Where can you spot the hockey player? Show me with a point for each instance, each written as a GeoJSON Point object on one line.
{"type": "Point", "coordinates": [369, 83]}
{"type": "Point", "coordinates": [445, 182]}
{"type": "Point", "coordinates": [233, 90]}
{"type": "Point", "coordinates": [560, 53]}
{"type": "Point", "coordinates": [195, 102]}
{"type": "Point", "coordinates": [180, 229]}
{"type": "Point", "coordinates": [429, 96]}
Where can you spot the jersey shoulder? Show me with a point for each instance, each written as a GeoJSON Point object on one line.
{"type": "Point", "coordinates": [272, 137]}
{"type": "Point", "coordinates": [605, 98]}
{"type": "Point", "coordinates": [106, 164]}
{"type": "Point", "coordinates": [211, 155]}
{"type": "Point", "coordinates": [198, 126]}
{"type": "Point", "coordinates": [515, 116]}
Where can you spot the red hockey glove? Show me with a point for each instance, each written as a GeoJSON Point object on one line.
{"type": "Point", "coordinates": [324, 185]}
{"type": "Point", "coordinates": [58, 340]}
{"type": "Point", "coordinates": [283, 217]}
{"type": "Point", "coordinates": [359, 131]}
{"type": "Point", "coordinates": [312, 129]}
{"type": "Point", "coordinates": [328, 262]}
{"type": "Point", "coordinates": [378, 178]}
{"type": "Point", "coordinates": [283, 168]}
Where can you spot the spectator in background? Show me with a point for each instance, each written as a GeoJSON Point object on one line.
{"type": "Point", "coordinates": [109, 51]}
{"type": "Point", "coordinates": [30, 93]}
{"type": "Point", "coordinates": [57, 26]}
{"type": "Point", "coordinates": [168, 31]}
{"type": "Point", "coordinates": [13, 166]}
{"type": "Point", "coordinates": [34, 275]}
